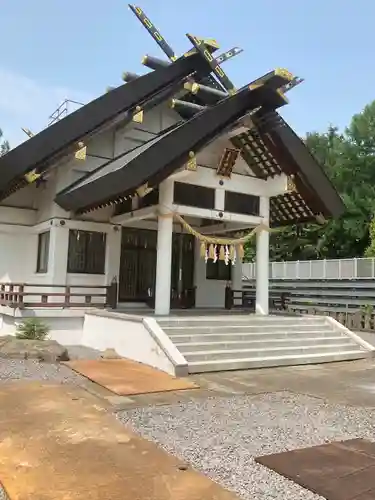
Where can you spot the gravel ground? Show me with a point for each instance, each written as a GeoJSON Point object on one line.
{"type": "Point", "coordinates": [220, 436]}
{"type": "Point", "coordinates": [14, 369]}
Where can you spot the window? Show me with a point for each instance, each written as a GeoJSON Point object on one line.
{"type": "Point", "coordinates": [218, 270]}
{"type": "Point", "coordinates": [86, 252]}
{"type": "Point", "coordinates": [194, 196]}
{"type": "Point", "coordinates": [239, 203]}
{"type": "Point", "coordinates": [43, 252]}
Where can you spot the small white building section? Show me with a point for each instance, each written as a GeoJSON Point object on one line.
{"type": "Point", "coordinates": [37, 235]}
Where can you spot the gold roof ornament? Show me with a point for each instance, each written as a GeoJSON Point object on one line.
{"type": "Point", "coordinates": [81, 153]}
{"type": "Point", "coordinates": [211, 42]}
{"type": "Point", "coordinates": [283, 96]}
{"type": "Point", "coordinates": [143, 190]}
{"type": "Point", "coordinates": [138, 116]}
{"type": "Point", "coordinates": [254, 86]}
{"type": "Point", "coordinates": [195, 88]}
{"type": "Point", "coordinates": [189, 85]}
{"type": "Point", "coordinates": [320, 219]}
{"type": "Point", "coordinates": [284, 73]}
{"type": "Point", "coordinates": [290, 184]}
{"type": "Point", "coordinates": [32, 176]}
{"type": "Point", "coordinates": [191, 164]}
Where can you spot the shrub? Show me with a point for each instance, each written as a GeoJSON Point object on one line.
{"type": "Point", "coordinates": [32, 329]}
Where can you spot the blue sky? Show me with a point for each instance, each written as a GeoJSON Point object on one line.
{"type": "Point", "coordinates": [57, 49]}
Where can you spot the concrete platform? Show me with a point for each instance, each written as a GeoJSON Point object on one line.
{"type": "Point", "coordinates": [351, 383]}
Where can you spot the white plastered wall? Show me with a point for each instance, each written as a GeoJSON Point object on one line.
{"type": "Point", "coordinates": [32, 210]}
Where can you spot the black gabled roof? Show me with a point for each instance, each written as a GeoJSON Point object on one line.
{"type": "Point", "coordinates": [272, 148]}
{"type": "Point", "coordinates": [61, 138]}
{"type": "Point", "coordinates": [159, 159]}
{"type": "Point", "coordinates": [310, 179]}
{"type": "Point", "coordinates": [117, 163]}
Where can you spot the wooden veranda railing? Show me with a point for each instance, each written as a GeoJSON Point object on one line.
{"type": "Point", "coordinates": [27, 295]}
{"type": "Point", "coordinates": [245, 299]}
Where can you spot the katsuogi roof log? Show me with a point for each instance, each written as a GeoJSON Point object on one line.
{"type": "Point", "coordinates": [62, 137]}
{"type": "Point", "coordinates": [156, 161]}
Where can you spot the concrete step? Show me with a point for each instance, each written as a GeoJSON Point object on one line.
{"type": "Point", "coordinates": [250, 320]}
{"type": "Point", "coordinates": [287, 351]}
{"type": "Point", "coordinates": [245, 328]}
{"type": "Point", "coordinates": [272, 361]}
{"type": "Point", "coordinates": [189, 347]}
{"type": "Point", "coordinates": [235, 342]}
{"type": "Point", "coordinates": [192, 336]}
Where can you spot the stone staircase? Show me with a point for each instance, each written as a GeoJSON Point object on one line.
{"type": "Point", "coordinates": [237, 342]}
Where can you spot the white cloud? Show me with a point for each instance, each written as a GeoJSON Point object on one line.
{"type": "Point", "coordinates": [28, 103]}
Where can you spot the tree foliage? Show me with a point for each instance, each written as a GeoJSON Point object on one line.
{"type": "Point", "coordinates": [349, 160]}
{"type": "Point", "coordinates": [4, 145]}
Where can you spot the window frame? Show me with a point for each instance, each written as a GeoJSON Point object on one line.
{"type": "Point", "coordinates": [98, 266]}
{"type": "Point", "coordinates": [42, 258]}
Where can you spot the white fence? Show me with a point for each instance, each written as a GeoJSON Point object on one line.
{"type": "Point", "coordinates": [333, 269]}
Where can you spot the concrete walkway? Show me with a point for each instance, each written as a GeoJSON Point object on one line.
{"type": "Point", "coordinates": [351, 383]}
{"type": "Point", "coordinates": [367, 336]}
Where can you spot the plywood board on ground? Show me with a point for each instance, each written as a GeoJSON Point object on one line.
{"type": "Point", "coordinates": [342, 470]}
{"type": "Point", "coordinates": [125, 377]}
{"type": "Point", "coordinates": [59, 443]}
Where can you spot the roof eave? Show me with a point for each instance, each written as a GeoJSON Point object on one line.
{"type": "Point", "coordinates": [171, 152]}
{"type": "Point", "coordinates": [61, 139]}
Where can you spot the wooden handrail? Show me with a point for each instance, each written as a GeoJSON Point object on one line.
{"type": "Point", "coordinates": [16, 295]}
{"type": "Point", "coordinates": [44, 285]}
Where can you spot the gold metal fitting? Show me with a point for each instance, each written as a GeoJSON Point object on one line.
{"type": "Point", "coordinates": [283, 96]}
{"type": "Point", "coordinates": [188, 86]}
{"type": "Point", "coordinates": [195, 88]}
{"type": "Point", "coordinates": [284, 73]}
{"type": "Point", "coordinates": [320, 219]}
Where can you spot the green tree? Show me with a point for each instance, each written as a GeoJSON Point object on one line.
{"type": "Point", "coordinates": [370, 250]}
{"type": "Point", "coordinates": [349, 160]}
{"type": "Point", "coordinates": [4, 145]}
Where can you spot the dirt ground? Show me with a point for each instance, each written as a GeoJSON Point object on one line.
{"type": "Point", "coordinates": [59, 442]}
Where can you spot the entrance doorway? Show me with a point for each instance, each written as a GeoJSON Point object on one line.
{"type": "Point", "coordinates": [138, 264]}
